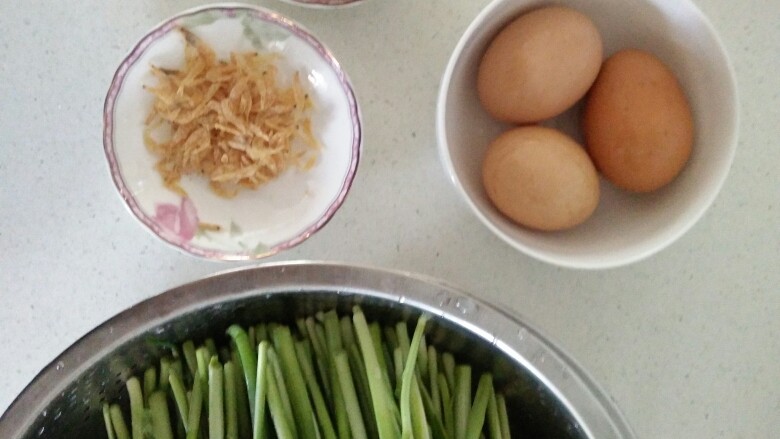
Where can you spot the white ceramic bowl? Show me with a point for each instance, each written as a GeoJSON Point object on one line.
{"type": "Point", "coordinates": [256, 223]}
{"type": "Point", "coordinates": [625, 227]}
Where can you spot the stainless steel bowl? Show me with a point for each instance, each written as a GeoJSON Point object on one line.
{"type": "Point", "coordinates": [548, 394]}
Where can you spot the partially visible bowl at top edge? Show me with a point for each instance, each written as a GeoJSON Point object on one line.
{"type": "Point", "coordinates": [324, 4]}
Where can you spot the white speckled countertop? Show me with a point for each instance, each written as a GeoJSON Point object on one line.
{"type": "Point", "coordinates": [687, 342]}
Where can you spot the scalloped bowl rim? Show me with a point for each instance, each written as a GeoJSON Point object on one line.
{"type": "Point", "coordinates": [273, 18]}
{"type": "Point", "coordinates": [324, 4]}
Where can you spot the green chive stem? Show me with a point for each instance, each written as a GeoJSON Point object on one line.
{"type": "Point", "coordinates": [136, 407]}
{"type": "Point", "coordinates": [244, 417]}
{"type": "Point", "coordinates": [212, 347]}
{"type": "Point", "coordinates": [503, 416]}
{"type": "Point", "coordinates": [434, 419]}
{"type": "Point", "coordinates": [462, 399]}
{"type": "Point", "coordinates": [284, 397]}
{"type": "Point", "coordinates": [448, 361]}
{"type": "Point", "coordinates": [259, 424]}
{"type": "Point", "coordinates": [433, 380]}
{"type": "Point", "coordinates": [161, 419]}
{"type": "Point", "coordinates": [446, 406]}
{"type": "Point", "coordinates": [216, 400]}
{"type": "Point", "coordinates": [347, 333]}
{"type": "Point", "coordinates": [408, 377]}
{"type": "Point", "coordinates": [190, 357]}
{"type": "Point", "coordinates": [118, 422]}
{"type": "Point", "coordinates": [295, 382]}
{"type": "Point", "coordinates": [387, 427]}
{"type": "Point", "coordinates": [180, 396]}
{"type": "Point", "coordinates": [360, 380]}
{"type": "Point", "coordinates": [150, 383]}
{"type": "Point", "coordinates": [248, 361]}
{"type": "Point", "coordinates": [476, 418]}
{"type": "Point", "coordinates": [231, 400]}
{"type": "Point", "coordinates": [196, 405]}
{"type": "Point", "coordinates": [165, 370]}
{"type": "Point", "coordinates": [347, 387]}
{"type": "Point", "coordinates": [398, 358]}
{"type": "Point", "coordinates": [321, 409]}
{"type": "Point", "coordinates": [419, 421]}
{"type": "Point", "coordinates": [494, 422]}
{"type": "Point", "coordinates": [107, 421]}
{"type": "Point", "coordinates": [279, 413]}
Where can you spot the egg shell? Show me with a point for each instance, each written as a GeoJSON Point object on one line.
{"type": "Point", "coordinates": [539, 65]}
{"type": "Point", "coordinates": [540, 178]}
{"type": "Point", "coordinates": [637, 122]}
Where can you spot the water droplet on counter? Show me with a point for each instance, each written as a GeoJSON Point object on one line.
{"type": "Point", "coordinates": [465, 305]}
{"type": "Point", "coordinates": [538, 357]}
{"type": "Point", "coordinates": [60, 365]}
{"type": "Point", "coordinates": [58, 415]}
{"type": "Point", "coordinates": [44, 413]}
{"type": "Point", "coordinates": [443, 299]}
{"type": "Point", "coordinates": [40, 432]}
{"type": "Point", "coordinates": [573, 428]}
{"type": "Point", "coordinates": [522, 333]}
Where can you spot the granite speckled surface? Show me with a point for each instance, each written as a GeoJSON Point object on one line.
{"type": "Point", "coordinates": [687, 342]}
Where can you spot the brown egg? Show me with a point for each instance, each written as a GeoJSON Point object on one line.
{"type": "Point", "coordinates": [540, 178]}
{"type": "Point", "coordinates": [637, 123]}
{"type": "Point", "coordinates": [539, 65]}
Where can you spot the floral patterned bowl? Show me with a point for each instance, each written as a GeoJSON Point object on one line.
{"type": "Point", "coordinates": [323, 3]}
{"type": "Point", "coordinates": [256, 223]}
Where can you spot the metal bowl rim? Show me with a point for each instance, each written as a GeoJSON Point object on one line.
{"type": "Point", "coordinates": [594, 411]}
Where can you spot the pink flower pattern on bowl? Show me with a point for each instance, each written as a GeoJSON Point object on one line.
{"type": "Point", "coordinates": [255, 224]}
{"type": "Point", "coordinates": [181, 220]}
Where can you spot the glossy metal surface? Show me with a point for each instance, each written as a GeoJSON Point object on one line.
{"type": "Point", "coordinates": [548, 394]}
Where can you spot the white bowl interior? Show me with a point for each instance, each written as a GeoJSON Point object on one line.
{"type": "Point", "coordinates": [278, 213]}
{"type": "Point", "coordinates": [625, 227]}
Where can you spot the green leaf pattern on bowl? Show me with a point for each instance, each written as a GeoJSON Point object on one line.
{"type": "Point", "coordinates": [234, 234]}
{"type": "Point", "coordinates": [202, 233]}
{"type": "Point", "coordinates": [234, 230]}
{"type": "Point", "coordinates": [201, 19]}
{"type": "Point", "coordinates": [260, 248]}
{"type": "Point", "coordinates": [260, 35]}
